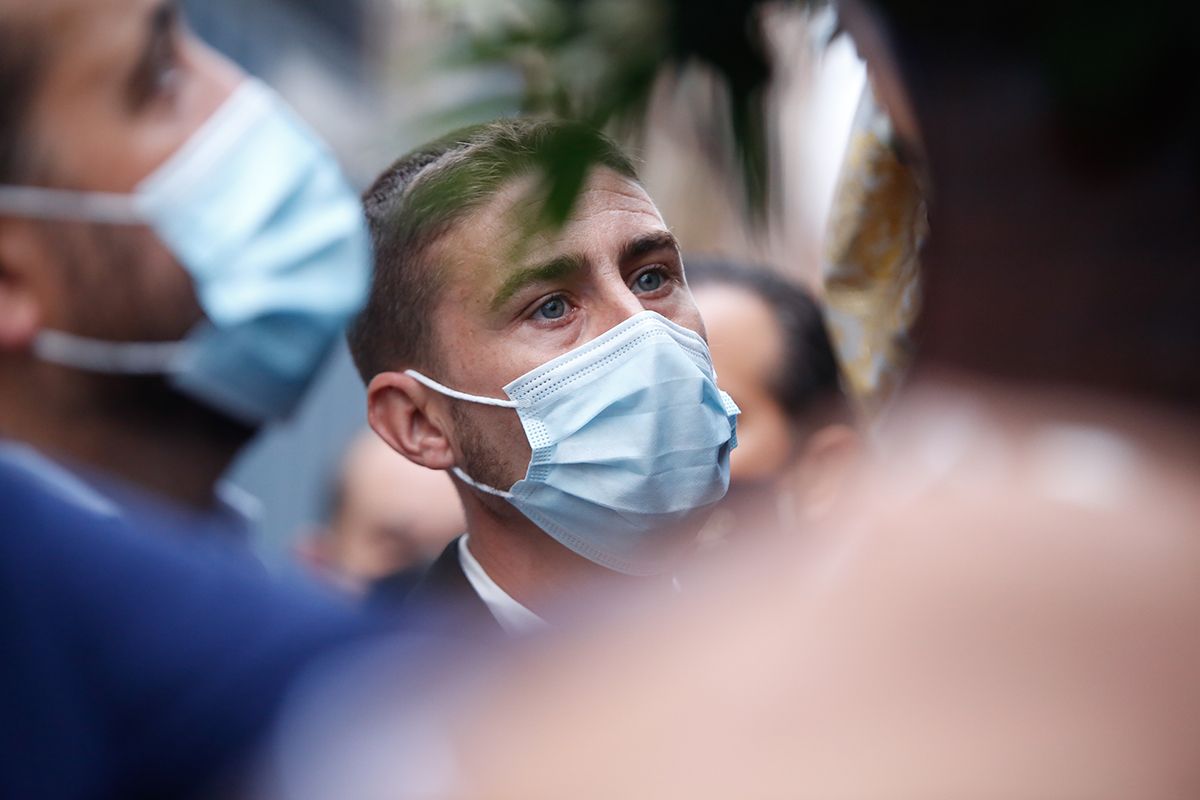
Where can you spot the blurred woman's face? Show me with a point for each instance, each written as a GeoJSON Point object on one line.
{"type": "Point", "coordinates": [747, 351]}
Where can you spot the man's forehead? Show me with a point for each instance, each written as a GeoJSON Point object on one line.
{"type": "Point", "coordinates": [609, 207]}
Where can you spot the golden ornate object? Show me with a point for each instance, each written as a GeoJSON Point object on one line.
{"type": "Point", "coordinates": [872, 280]}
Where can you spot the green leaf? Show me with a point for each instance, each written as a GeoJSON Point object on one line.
{"type": "Point", "coordinates": [597, 62]}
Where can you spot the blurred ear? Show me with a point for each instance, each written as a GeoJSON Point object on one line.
{"type": "Point", "coordinates": [406, 415]}
{"type": "Point", "coordinates": [20, 309]}
{"type": "Point", "coordinates": [823, 469]}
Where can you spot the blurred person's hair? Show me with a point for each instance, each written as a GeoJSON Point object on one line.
{"type": "Point", "coordinates": [20, 62]}
{"type": "Point", "coordinates": [1119, 76]}
{"type": "Point", "coordinates": [807, 383]}
{"type": "Point", "coordinates": [1061, 144]}
{"type": "Point", "coordinates": [419, 199]}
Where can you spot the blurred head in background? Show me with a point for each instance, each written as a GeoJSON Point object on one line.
{"type": "Point", "coordinates": [388, 519]}
{"type": "Point", "coordinates": [94, 97]}
{"type": "Point", "coordinates": [796, 438]}
{"type": "Point", "coordinates": [177, 251]}
{"type": "Point", "coordinates": [1060, 145]}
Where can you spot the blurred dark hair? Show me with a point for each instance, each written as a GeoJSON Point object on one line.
{"type": "Point", "coordinates": [20, 61]}
{"type": "Point", "coordinates": [421, 197]}
{"type": "Point", "coordinates": [808, 381]}
{"type": "Point", "coordinates": [1121, 75]}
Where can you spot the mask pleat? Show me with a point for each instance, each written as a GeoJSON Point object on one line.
{"type": "Point", "coordinates": [630, 437]}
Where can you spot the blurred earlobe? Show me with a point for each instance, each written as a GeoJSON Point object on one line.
{"type": "Point", "coordinates": [20, 314]}
{"type": "Point", "coordinates": [399, 411]}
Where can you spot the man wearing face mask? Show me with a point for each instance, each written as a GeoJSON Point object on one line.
{"type": "Point", "coordinates": [177, 254]}
{"type": "Point", "coordinates": [172, 280]}
{"type": "Point", "coordinates": [561, 376]}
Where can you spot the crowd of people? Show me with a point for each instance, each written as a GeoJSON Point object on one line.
{"type": "Point", "coordinates": [619, 528]}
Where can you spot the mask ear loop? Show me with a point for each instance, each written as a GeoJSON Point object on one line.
{"type": "Point", "coordinates": [470, 398]}
{"type": "Point", "coordinates": [115, 358]}
{"type": "Point", "coordinates": [38, 202]}
{"type": "Point", "coordinates": [457, 395]}
{"type": "Point", "coordinates": [483, 487]}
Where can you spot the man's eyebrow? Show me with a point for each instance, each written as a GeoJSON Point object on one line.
{"type": "Point", "coordinates": [648, 243]}
{"type": "Point", "coordinates": [164, 16]}
{"type": "Point", "coordinates": [554, 269]}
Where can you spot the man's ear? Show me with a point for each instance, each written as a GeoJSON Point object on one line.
{"type": "Point", "coordinates": [20, 310]}
{"type": "Point", "coordinates": [824, 468]}
{"type": "Point", "coordinates": [405, 415]}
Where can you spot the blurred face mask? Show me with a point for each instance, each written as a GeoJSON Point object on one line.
{"type": "Point", "coordinates": [630, 436]}
{"type": "Point", "coordinates": [257, 211]}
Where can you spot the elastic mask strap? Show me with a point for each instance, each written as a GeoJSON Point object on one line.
{"type": "Point", "coordinates": [37, 202]}
{"type": "Point", "coordinates": [483, 487]}
{"type": "Point", "coordinates": [470, 398]}
{"type": "Point", "coordinates": [118, 358]}
{"type": "Point", "coordinates": [457, 395]}
{"type": "Point", "coordinates": [731, 407]}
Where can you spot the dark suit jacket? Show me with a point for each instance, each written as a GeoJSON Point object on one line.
{"type": "Point", "coordinates": [444, 603]}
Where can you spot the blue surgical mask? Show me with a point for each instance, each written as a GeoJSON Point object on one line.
{"type": "Point", "coordinates": [256, 210]}
{"type": "Point", "coordinates": [630, 437]}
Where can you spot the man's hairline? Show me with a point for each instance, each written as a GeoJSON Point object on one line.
{"type": "Point", "coordinates": [428, 355]}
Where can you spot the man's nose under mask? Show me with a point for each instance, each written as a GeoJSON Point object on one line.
{"type": "Point", "coordinates": [255, 208]}
{"type": "Point", "coordinates": [630, 436]}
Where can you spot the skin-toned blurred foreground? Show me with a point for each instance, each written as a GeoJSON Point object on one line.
{"type": "Point", "coordinates": [1009, 612]}
{"type": "Point", "coordinates": [1009, 607]}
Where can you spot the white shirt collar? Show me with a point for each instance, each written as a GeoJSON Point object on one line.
{"type": "Point", "coordinates": [513, 617]}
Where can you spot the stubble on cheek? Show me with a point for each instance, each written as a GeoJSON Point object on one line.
{"type": "Point", "coordinates": [121, 284]}
{"type": "Point", "coordinates": [488, 459]}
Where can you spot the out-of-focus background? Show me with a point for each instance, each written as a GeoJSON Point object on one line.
{"type": "Point", "coordinates": [375, 78]}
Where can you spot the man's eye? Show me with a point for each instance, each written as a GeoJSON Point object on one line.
{"type": "Point", "coordinates": [160, 71]}
{"type": "Point", "coordinates": [650, 281]}
{"type": "Point", "coordinates": [166, 79]}
{"type": "Point", "coordinates": [554, 308]}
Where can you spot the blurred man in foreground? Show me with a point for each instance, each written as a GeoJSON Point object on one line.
{"type": "Point", "coordinates": [561, 376]}
{"type": "Point", "coordinates": [177, 253]}
{"type": "Point", "coordinates": [796, 440]}
{"type": "Point", "coordinates": [1009, 606]}
{"type": "Point", "coordinates": [389, 519]}
{"type": "Point", "coordinates": [173, 279]}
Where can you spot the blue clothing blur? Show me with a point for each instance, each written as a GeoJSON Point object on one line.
{"type": "Point", "coordinates": [134, 661]}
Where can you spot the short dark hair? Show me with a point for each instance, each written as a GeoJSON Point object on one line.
{"type": "Point", "coordinates": [808, 381]}
{"type": "Point", "coordinates": [421, 197]}
{"type": "Point", "coordinates": [20, 70]}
